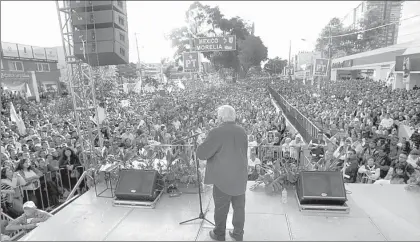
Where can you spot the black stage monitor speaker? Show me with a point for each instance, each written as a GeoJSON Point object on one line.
{"type": "Point", "coordinates": [137, 185]}
{"type": "Point", "coordinates": [321, 188]}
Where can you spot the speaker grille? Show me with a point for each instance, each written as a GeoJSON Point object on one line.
{"type": "Point", "coordinates": [326, 184]}
{"type": "Point", "coordinates": [321, 187]}
{"type": "Point", "coordinates": [137, 182]}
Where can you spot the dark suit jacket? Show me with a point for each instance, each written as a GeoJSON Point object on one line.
{"type": "Point", "coordinates": [225, 150]}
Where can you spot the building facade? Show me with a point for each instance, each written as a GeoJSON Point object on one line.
{"type": "Point", "coordinates": [383, 65]}
{"type": "Point", "coordinates": [21, 60]}
{"type": "Point", "coordinates": [388, 11]}
{"type": "Point", "coordinates": [409, 28]}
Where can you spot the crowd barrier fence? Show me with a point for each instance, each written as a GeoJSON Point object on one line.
{"type": "Point", "coordinates": [61, 184]}
{"type": "Point", "coordinates": [304, 126]}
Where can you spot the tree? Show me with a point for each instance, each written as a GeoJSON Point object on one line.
{"type": "Point", "coordinates": [325, 44]}
{"type": "Point", "coordinates": [348, 41]}
{"type": "Point", "coordinates": [205, 21]}
{"type": "Point", "coordinates": [167, 71]}
{"type": "Point", "coordinates": [275, 65]}
{"type": "Point", "coordinates": [252, 52]}
{"type": "Point", "coordinates": [106, 80]}
{"type": "Point", "coordinates": [374, 38]}
{"type": "Point", "coordinates": [128, 71]}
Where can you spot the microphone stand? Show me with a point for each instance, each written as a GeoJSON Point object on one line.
{"type": "Point", "coordinates": [201, 215]}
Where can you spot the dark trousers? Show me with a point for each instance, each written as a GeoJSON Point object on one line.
{"type": "Point", "coordinates": [221, 209]}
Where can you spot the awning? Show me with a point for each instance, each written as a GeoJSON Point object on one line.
{"type": "Point", "coordinates": [366, 67]}
{"type": "Point", "coordinates": [412, 50]}
{"type": "Point", "coordinates": [377, 51]}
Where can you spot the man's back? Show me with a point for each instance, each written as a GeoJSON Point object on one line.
{"type": "Point", "coordinates": [225, 150]}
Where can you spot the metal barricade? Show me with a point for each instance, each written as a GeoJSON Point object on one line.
{"type": "Point", "coordinates": [52, 188]}
{"type": "Point", "coordinates": [306, 128]}
{"type": "Point", "coordinates": [264, 152]}
{"type": "Point", "coordinates": [12, 234]}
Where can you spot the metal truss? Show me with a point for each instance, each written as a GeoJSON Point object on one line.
{"type": "Point", "coordinates": [82, 85]}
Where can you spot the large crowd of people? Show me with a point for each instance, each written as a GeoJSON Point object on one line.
{"type": "Point", "coordinates": [360, 120]}
{"type": "Point", "coordinates": [43, 162]}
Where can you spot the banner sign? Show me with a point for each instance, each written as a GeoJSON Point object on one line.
{"type": "Point", "coordinates": [25, 51]}
{"type": "Point", "coordinates": [39, 53]}
{"type": "Point", "coordinates": [406, 66]}
{"type": "Point", "coordinates": [320, 67]}
{"type": "Point", "coordinates": [17, 81]}
{"type": "Point", "coordinates": [222, 43]}
{"type": "Point", "coordinates": [191, 62]}
{"type": "Point", "coordinates": [51, 54]}
{"type": "Point", "coordinates": [12, 76]}
{"type": "Point", "coordinates": [343, 64]}
{"type": "Point", "coordinates": [9, 49]}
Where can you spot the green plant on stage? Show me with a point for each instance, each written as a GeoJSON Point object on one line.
{"type": "Point", "coordinates": [283, 174]}
{"type": "Point", "coordinates": [181, 167]}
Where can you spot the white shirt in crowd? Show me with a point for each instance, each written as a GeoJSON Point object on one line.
{"type": "Point", "coordinates": [387, 123]}
{"type": "Point", "coordinates": [176, 124]}
{"type": "Point", "coordinates": [254, 162]}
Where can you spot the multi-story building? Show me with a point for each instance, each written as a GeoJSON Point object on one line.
{"type": "Point", "coordinates": [409, 28]}
{"type": "Point", "coordinates": [303, 62]}
{"type": "Point", "coordinates": [388, 11]}
{"type": "Point", "coordinates": [19, 61]}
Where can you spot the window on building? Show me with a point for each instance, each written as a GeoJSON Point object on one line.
{"type": "Point", "coordinates": [16, 66]}
{"type": "Point", "coordinates": [122, 37]}
{"type": "Point", "coordinates": [121, 20]}
{"type": "Point", "coordinates": [93, 47]}
{"type": "Point", "coordinates": [122, 51]}
{"type": "Point", "coordinates": [42, 67]}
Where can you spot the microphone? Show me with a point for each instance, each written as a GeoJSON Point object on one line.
{"type": "Point", "coordinates": [189, 137]}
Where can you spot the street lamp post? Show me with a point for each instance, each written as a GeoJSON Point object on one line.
{"type": "Point", "coordinates": [139, 74]}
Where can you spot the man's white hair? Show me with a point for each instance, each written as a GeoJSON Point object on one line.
{"type": "Point", "coordinates": [226, 113]}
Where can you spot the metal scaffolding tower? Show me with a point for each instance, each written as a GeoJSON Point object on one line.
{"type": "Point", "coordinates": [82, 86]}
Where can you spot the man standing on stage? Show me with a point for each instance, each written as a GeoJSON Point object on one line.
{"type": "Point", "coordinates": [225, 150]}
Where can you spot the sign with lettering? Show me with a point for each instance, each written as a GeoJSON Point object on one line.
{"type": "Point", "coordinates": [51, 54]}
{"type": "Point", "coordinates": [25, 51]}
{"type": "Point", "coordinates": [191, 62]}
{"type": "Point", "coordinates": [342, 64]}
{"type": "Point", "coordinates": [223, 43]}
{"type": "Point", "coordinates": [39, 53]}
{"type": "Point", "coordinates": [320, 67]}
{"type": "Point", "coordinates": [9, 49]}
{"type": "Point", "coordinates": [15, 76]}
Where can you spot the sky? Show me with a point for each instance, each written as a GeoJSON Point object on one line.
{"type": "Point", "coordinates": [276, 22]}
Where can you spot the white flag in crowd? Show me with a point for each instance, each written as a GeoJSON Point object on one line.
{"type": "Point", "coordinates": [180, 84]}
{"type": "Point", "coordinates": [14, 117]}
{"type": "Point", "coordinates": [28, 91]}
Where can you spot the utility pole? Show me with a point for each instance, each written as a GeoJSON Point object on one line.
{"type": "Point", "coordinates": [138, 60]}
{"type": "Point", "coordinates": [290, 56]}
{"type": "Point", "coordinates": [329, 55]}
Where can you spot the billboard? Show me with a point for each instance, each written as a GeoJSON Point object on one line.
{"type": "Point", "coordinates": [51, 54]}
{"type": "Point", "coordinates": [9, 49]}
{"type": "Point", "coordinates": [222, 43]}
{"type": "Point", "coordinates": [39, 53]}
{"type": "Point", "coordinates": [25, 51]}
{"type": "Point", "coordinates": [191, 62]}
{"type": "Point", "coordinates": [320, 67]}
{"type": "Point", "coordinates": [12, 50]}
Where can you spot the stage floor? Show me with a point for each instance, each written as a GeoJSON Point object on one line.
{"type": "Point", "coordinates": [376, 213]}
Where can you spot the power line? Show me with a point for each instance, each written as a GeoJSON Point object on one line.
{"type": "Point", "coordinates": [362, 31]}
